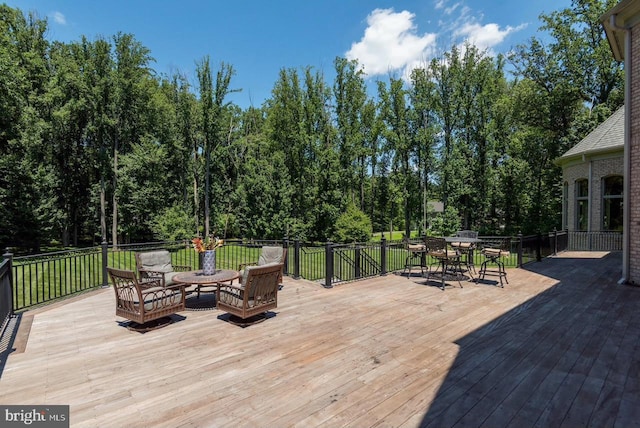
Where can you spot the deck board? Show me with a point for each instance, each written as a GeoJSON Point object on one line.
{"type": "Point", "coordinates": [557, 346]}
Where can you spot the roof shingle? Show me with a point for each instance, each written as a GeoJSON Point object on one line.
{"type": "Point", "coordinates": [609, 135]}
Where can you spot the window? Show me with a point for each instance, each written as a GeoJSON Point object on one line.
{"type": "Point", "coordinates": [612, 204]}
{"type": "Point", "coordinates": [582, 205]}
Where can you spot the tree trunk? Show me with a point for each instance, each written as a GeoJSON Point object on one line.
{"type": "Point", "coordinates": [196, 207]}
{"type": "Point", "coordinates": [103, 210]}
{"type": "Point", "coordinates": [114, 224]}
{"type": "Point", "coordinates": [207, 189]}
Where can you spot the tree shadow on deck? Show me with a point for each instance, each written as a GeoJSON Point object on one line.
{"type": "Point", "coordinates": [568, 356]}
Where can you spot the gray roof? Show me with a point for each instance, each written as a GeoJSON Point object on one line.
{"type": "Point", "coordinates": [608, 136]}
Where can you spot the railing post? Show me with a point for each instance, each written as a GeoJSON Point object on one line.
{"type": "Point", "coordinates": [383, 256]}
{"type": "Point", "coordinates": [555, 241]}
{"type": "Point", "coordinates": [9, 256]}
{"type": "Point", "coordinates": [296, 259]}
{"type": "Point", "coordinates": [285, 244]}
{"type": "Point", "coordinates": [328, 264]}
{"type": "Point", "coordinates": [357, 262]}
{"type": "Point", "coordinates": [105, 261]}
{"type": "Point", "coordinates": [538, 246]}
{"type": "Point", "coordinates": [520, 256]}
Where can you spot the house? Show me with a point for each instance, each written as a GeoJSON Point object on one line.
{"type": "Point", "coordinates": [622, 26]}
{"type": "Point", "coordinates": [592, 177]}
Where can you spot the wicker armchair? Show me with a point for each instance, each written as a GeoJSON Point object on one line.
{"type": "Point", "coordinates": [157, 265]}
{"type": "Point", "coordinates": [448, 260]}
{"type": "Point", "coordinates": [269, 255]}
{"type": "Point", "coordinates": [144, 302]}
{"type": "Point", "coordinates": [256, 294]}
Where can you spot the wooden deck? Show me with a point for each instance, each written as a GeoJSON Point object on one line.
{"type": "Point", "coordinates": [558, 346]}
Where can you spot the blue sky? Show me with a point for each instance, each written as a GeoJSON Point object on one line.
{"type": "Point", "coordinates": [259, 38]}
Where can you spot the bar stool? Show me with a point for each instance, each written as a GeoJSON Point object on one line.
{"type": "Point", "coordinates": [417, 253]}
{"type": "Point", "coordinates": [494, 254]}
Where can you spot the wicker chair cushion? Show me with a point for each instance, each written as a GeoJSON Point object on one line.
{"type": "Point", "coordinates": [245, 272]}
{"type": "Point", "coordinates": [495, 252]}
{"type": "Point", "coordinates": [231, 296]}
{"type": "Point", "coordinates": [462, 245]}
{"type": "Point", "coordinates": [270, 255]}
{"type": "Point", "coordinates": [157, 261]}
{"type": "Point", "coordinates": [158, 296]}
{"type": "Point", "coordinates": [168, 278]}
{"type": "Point", "coordinates": [167, 300]}
{"type": "Point", "coordinates": [441, 254]}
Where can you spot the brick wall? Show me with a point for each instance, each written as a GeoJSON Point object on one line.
{"type": "Point", "coordinates": [601, 167]}
{"type": "Point", "coordinates": [634, 155]}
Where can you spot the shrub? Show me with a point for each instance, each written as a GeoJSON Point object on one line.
{"type": "Point", "coordinates": [353, 226]}
{"type": "Point", "coordinates": [446, 223]}
{"type": "Point", "coordinates": [173, 224]}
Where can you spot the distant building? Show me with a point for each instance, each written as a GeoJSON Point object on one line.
{"type": "Point", "coordinates": [592, 176]}
{"type": "Point", "coordinates": [435, 207]}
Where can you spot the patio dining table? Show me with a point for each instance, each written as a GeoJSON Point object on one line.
{"type": "Point", "coordinates": [469, 251]}
{"type": "Point", "coordinates": [463, 239]}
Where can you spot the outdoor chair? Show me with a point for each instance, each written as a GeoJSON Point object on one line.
{"type": "Point", "coordinates": [494, 252]}
{"type": "Point", "coordinates": [253, 297]}
{"type": "Point", "coordinates": [146, 302]}
{"type": "Point", "coordinates": [466, 248]}
{"type": "Point", "coordinates": [269, 255]}
{"type": "Point", "coordinates": [416, 257]}
{"type": "Point", "coordinates": [448, 260]}
{"type": "Point", "coordinates": [157, 265]}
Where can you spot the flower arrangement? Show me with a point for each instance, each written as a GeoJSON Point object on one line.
{"type": "Point", "coordinates": [211, 243]}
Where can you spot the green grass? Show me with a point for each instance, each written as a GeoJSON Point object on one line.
{"type": "Point", "coordinates": [395, 236]}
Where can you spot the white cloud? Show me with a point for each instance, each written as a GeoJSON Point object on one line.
{"type": "Point", "coordinates": [448, 10]}
{"type": "Point", "coordinates": [485, 36]}
{"type": "Point", "coordinates": [58, 18]}
{"type": "Point", "coordinates": [391, 43]}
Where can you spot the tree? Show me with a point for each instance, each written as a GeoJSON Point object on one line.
{"type": "Point", "coordinates": [424, 129]}
{"type": "Point", "coordinates": [353, 226]}
{"type": "Point", "coordinates": [131, 60]}
{"type": "Point", "coordinates": [350, 96]}
{"type": "Point", "coordinates": [24, 75]}
{"type": "Point", "coordinates": [394, 112]}
{"type": "Point", "coordinates": [212, 102]}
{"type": "Point", "coordinates": [580, 47]}
{"type": "Point", "coordinates": [263, 196]}
{"type": "Point", "coordinates": [98, 69]}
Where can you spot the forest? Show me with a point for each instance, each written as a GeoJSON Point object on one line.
{"type": "Point", "coordinates": [96, 146]}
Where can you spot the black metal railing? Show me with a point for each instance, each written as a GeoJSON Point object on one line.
{"type": "Point", "coordinates": [6, 302]}
{"type": "Point", "coordinates": [355, 261]}
{"type": "Point", "coordinates": [32, 280]}
{"type": "Point", "coordinates": [594, 241]}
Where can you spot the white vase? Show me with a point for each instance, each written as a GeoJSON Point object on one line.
{"type": "Point", "coordinates": [209, 262]}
